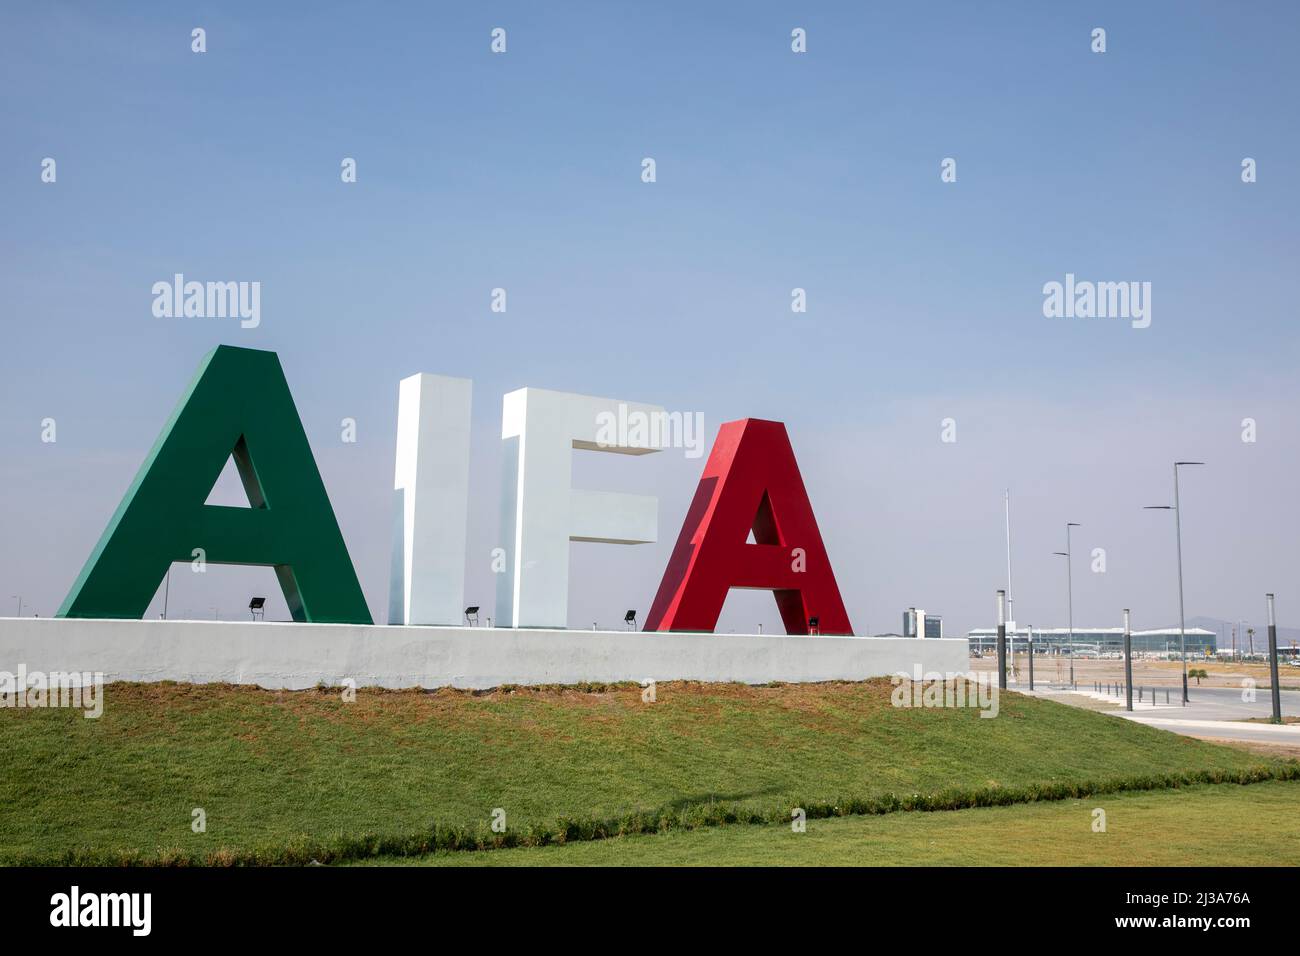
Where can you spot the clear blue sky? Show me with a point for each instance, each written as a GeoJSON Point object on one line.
{"type": "Point", "coordinates": [775, 170]}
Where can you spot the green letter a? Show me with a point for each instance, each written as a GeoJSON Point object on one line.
{"type": "Point", "coordinates": [238, 404]}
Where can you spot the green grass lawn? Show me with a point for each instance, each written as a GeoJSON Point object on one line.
{"type": "Point", "coordinates": [285, 777]}
{"type": "Point", "coordinates": [1214, 825]}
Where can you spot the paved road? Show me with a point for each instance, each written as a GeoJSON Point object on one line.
{"type": "Point", "coordinates": [1283, 736]}
{"type": "Point", "coordinates": [1217, 712]}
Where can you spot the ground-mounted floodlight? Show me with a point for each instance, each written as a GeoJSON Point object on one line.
{"type": "Point", "coordinates": [814, 625]}
{"type": "Point", "coordinates": [471, 615]}
{"type": "Point", "coordinates": [630, 620]}
{"type": "Point", "coordinates": [257, 608]}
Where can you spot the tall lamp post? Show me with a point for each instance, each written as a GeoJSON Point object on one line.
{"type": "Point", "coordinates": [1272, 661]}
{"type": "Point", "coordinates": [1178, 538]}
{"type": "Point", "coordinates": [1128, 666]}
{"type": "Point", "coordinates": [1069, 591]}
{"type": "Point", "coordinates": [1002, 640]}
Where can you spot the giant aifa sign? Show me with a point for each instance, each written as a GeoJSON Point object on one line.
{"type": "Point", "coordinates": [239, 406]}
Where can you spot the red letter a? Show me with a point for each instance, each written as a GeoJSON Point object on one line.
{"type": "Point", "coordinates": [751, 482]}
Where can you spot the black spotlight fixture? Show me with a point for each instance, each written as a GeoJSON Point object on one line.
{"type": "Point", "coordinates": [257, 608]}
{"type": "Point", "coordinates": [813, 623]}
{"type": "Point", "coordinates": [471, 615]}
{"type": "Point", "coordinates": [630, 620]}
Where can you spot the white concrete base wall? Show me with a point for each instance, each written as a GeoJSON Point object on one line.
{"type": "Point", "coordinates": [296, 656]}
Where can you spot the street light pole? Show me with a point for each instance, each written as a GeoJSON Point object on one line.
{"type": "Point", "coordinates": [1272, 661]}
{"type": "Point", "coordinates": [1011, 604]}
{"type": "Point", "coordinates": [1178, 537]}
{"type": "Point", "coordinates": [1002, 640]}
{"type": "Point", "coordinates": [1069, 594]}
{"type": "Point", "coordinates": [1182, 624]}
{"type": "Point", "coordinates": [1029, 630]}
{"type": "Point", "coordinates": [1069, 591]}
{"type": "Point", "coordinates": [1128, 665]}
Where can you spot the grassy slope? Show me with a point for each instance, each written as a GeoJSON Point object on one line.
{"type": "Point", "coordinates": [1217, 825]}
{"type": "Point", "coordinates": [274, 768]}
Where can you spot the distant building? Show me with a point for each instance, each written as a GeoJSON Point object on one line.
{"type": "Point", "coordinates": [933, 624]}
{"type": "Point", "coordinates": [1094, 641]}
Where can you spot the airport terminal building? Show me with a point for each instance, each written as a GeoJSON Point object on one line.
{"type": "Point", "coordinates": [1094, 641]}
